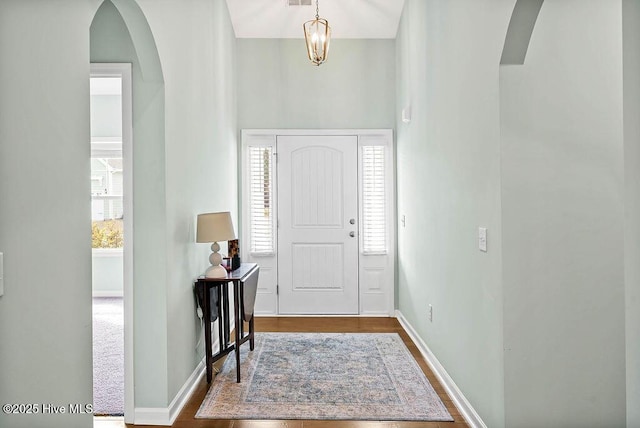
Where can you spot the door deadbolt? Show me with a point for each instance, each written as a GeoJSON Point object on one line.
{"type": "Point", "coordinates": [352, 221]}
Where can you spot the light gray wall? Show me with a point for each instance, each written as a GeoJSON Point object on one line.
{"type": "Point", "coordinates": [185, 164]}
{"type": "Point", "coordinates": [106, 115]}
{"type": "Point", "coordinates": [45, 312]}
{"type": "Point", "coordinates": [196, 44]}
{"type": "Point", "coordinates": [278, 87]}
{"type": "Point", "coordinates": [39, 131]}
{"type": "Point", "coordinates": [562, 210]}
{"type": "Point", "coordinates": [521, 25]}
{"type": "Point", "coordinates": [631, 72]}
{"type": "Point", "coordinates": [449, 185]}
{"type": "Point", "coordinates": [111, 42]}
{"type": "Point", "coordinates": [568, 98]}
{"type": "Point", "coordinates": [106, 274]}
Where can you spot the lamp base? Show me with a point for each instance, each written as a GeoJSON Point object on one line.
{"type": "Point", "coordinates": [216, 272]}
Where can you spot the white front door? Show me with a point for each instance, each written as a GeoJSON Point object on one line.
{"type": "Point", "coordinates": [317, 235]}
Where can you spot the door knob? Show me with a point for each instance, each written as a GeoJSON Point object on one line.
{"type": "Point", "coordinates": [352, 221]}
{"type": "Point", "coordinates": [352, 234]}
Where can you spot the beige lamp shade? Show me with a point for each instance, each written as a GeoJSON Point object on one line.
{"type": "Point", "coordinates": [213, 227]}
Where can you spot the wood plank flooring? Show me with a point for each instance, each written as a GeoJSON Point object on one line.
{"type": "Point", "coordinates": [323, 325]}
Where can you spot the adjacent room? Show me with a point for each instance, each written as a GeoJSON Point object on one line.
{"type": "Point", "coordinates": [435, 207]}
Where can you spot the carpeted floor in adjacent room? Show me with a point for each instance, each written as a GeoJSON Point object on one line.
{"type": "Point", "coordinates": [108, 356]}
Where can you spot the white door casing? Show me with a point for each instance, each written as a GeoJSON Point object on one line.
{"type": "Point", "coordinates": [123, 71]}
{"type": "Point", "coordinates": [317, 233]}
{"type": "Point", "coordinates": [375, 263]}
{"type": "Point", "coordinates": [267, 297]}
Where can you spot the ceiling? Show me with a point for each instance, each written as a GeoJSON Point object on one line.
{"type": "Point", "coordinates": [351, 19]}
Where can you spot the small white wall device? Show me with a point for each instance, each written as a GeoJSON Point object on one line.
{"type": "Point", "coordinates": [406, 114]}
{"type": "Point", "coordinates": [1, 274]}
{"type": "Point", "coordinates": [482, 239]}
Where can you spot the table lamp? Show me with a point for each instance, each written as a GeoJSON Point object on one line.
{"type": "Point", "coordinates": [214, 227]}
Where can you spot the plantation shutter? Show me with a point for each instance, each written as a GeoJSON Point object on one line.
{"type": "Point", "coordinates": [260, 200]}
{"type": "Point", "coordinates": [374, 240]}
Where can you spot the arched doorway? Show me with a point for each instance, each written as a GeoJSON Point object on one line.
{"type": "Point", "coordinates": [120, 33]}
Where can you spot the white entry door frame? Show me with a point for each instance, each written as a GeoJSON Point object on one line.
{"type": "Point", "coordinates": [317, 224]}
{"type": "Point", "coordinates": [375, 219]}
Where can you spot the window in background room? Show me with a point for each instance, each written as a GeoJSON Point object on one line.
{"type": "Point", "coordinates": [106, 163]}
{"type": "Point", "coordinates": [106, 202]}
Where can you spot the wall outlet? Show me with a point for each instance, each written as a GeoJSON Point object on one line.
{"type": "Point", "coordinates": [482, 239]}
{"type": "Point", "coordinates": [430, 313]}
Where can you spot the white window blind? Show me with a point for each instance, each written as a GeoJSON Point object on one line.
{"type": "Point", "coordinates": [261, 200]}
{"type": "Point", "coordinates": [374, 239]}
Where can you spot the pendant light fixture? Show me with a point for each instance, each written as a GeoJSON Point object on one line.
{"type": "Point", "coordinates": [317, 34]}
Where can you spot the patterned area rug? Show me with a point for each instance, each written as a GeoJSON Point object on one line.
{"type": "Point", "coordinates": [345, 376]}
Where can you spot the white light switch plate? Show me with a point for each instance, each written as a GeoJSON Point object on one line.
{"type": "Point", "coordinates": [1, 274]}
{"type": "Point", "coordinates": [482, 239]}
{"type": "Point", "coordinates": [406, 114]}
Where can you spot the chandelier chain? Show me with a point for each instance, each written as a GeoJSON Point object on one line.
{"type": "Point", "coordinates": [317, 10]}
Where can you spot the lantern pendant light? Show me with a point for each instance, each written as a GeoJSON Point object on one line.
{"type": "Point", "coordinates": [317, 34]}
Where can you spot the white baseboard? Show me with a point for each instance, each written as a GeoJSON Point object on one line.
{"type": "Point", "coordinates": [168, 415]}
{"type": "Point", "coordinates": [152, 416]}
{"type": "Point", "coordinates": [466, 410]}
{"type": "Point", "coordinates": [185, 392]}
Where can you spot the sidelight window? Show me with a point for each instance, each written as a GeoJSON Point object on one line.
{"type": "Point", "coordinates": [374, 222]}
{"type": "Point", "coordinates": [261, 200]}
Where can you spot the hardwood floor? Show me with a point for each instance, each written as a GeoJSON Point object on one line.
{"type": "Point", "coordinates": [325, 325]}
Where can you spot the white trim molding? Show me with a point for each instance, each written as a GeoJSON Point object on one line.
{"type": "Point", "coordinates": [123, 70]}
{"type": "Point", "coordinates": [168, 415]}
{"type": "Point", "coordinates": [466, 409]}
{"type": "Point", "coordinates": [108, 293]}
{"type": "Point", "coordinates": [107, 252]}
{"type": "Point", "coordinates": [152, 416]}
{"type": "Point", "coordinates": [375, 271]}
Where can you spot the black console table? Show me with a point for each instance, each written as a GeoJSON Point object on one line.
{"type": "Point", "coordinates": [245, 284]}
